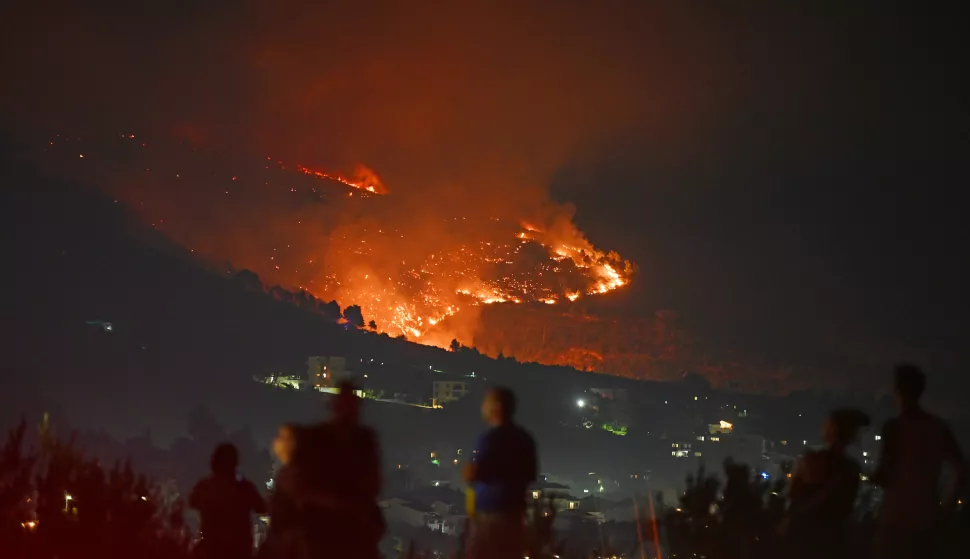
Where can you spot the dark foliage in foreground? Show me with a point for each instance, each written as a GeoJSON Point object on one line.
{"type": "Point", "coordinates": [55, 502]}
{"type": "Point", "coordinates": [746, 519]}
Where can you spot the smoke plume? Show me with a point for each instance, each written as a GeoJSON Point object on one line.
{"type": "Point", "coordinates": [464, 112]}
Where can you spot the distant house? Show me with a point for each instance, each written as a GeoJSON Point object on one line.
{"type": "Point", "coordinates": [445, 391]}
{"type": "Point", "coordinates": [682, 450]}
{"type": "Point", "coordinates": [556, 494]}
{"type": "Point", "coordinates": [325, 372]}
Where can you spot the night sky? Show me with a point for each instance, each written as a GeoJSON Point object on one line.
{"type": "Point", "coordinates": [787, 179]}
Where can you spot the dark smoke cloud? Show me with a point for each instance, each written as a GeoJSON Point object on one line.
{"type": "Point", "coordinates": [476, 104]}
{"type": "Point", "coordinates": [462, 109]}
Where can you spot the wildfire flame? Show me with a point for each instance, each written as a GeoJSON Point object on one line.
{"type": "Point", "coordinates": [364, 179]}
{"type": "Point", "coordinates": [423, 295]}
{"type": "Point", "coordinates": [426, 293]}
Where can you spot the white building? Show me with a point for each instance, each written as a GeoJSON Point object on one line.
{"type": "Point", "coordinates": [445, 391]}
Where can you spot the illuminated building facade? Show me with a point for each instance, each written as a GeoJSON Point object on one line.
{"type": "Point", "coordinates": [444, 391]}
{"type": "Point", "coordinates": [325, 372]}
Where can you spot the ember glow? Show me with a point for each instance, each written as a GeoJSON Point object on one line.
{"type": "Point", "coordinates": [421, 274]}
{"type": "Point", "coordinates": [364, 179]}
{"type": "Point", "coordinates": [502, 284]}
{"type": "Point", "coordinates": [532, 266]}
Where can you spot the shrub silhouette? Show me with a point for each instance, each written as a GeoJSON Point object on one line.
{"type": "Point", "coordinates": [55, 502]}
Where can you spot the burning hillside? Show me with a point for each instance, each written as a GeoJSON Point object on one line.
{"type": "Point", "coordinates": [424, 276]}
{"type": "Point", "coordinates": [527, 266]}
{"type": "Point", "coordinates": [503, 284]}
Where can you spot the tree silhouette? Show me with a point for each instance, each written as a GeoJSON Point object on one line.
{"type": "Point", "coordinates": [281, 294]}
{"type": "Point", "coordinates": [249, 280]}
{"type": "Point", "coordinates": [354, 316]}
{"type": "Point", "coordinates": [372, 325]}
{"type": "Point", "coordinates": [330, 310]}
{"type": "Point", "coordinates": [455, 345]}
{"type": "Point", "coordinates": [57, 503]}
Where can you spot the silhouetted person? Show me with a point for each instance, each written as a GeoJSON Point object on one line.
{"type": "Point", "coordinates": [740, 507]}
{"type": "Point", "coordinates": [341, 479]}
{"type": "Point", "coordinates": [226, 501]}
{"type": "Point", "coordinates": [823, 490]}
{"type": "Point", "coordinates": [503, 466]}
{"type": "Point", "coordinates": [286, 537]}
{"type": "Point", "coordinates": [915, 446]}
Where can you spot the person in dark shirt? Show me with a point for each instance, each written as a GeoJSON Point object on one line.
{"type": "Point", "coordinates": [340, 480]}
{"type": "Point", "coordinates": [286, 538]}
{"type": "Point", "coordinates": [823, 490]}
{"type": "Point", "coordinates": [226, 502]}
{"type": "Point", "coordinates": [503, 466]}
{"type": "Point", "coordinates": [915, 447]}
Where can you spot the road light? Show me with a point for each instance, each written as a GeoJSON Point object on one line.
{"type": "Point", "coordinates": [581, 403]}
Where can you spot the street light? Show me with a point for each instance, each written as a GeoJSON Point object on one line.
{"type": "Point", "coordinates": [581, 403]}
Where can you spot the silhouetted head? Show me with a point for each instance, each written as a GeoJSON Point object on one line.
{"type": "Point", "coordinates": [225, 459]}
{"type": "Point", "coordinates": [498, 406]}
{"type": "Point", "coordinates": [285, 442]}
{"type": "Point", "coordinates": [909, 382]}
{"type": "Point", "coordinates": [842, 427]}
{"type": "Point", "coordinates": [346, 407]}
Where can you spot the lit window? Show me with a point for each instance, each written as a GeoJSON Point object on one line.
{"type": "Point", "coordinates": [698, 454]}
{"type": "Point", "coordinates": [878, 437]}
{"type": "Point", "coordinates": [535, 494]}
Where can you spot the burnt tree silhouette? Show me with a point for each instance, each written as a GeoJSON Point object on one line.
{"type": "Point", "coordinates": [354, 316]}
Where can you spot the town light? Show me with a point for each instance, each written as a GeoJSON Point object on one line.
{"type": "Point", "coordinates": [581, 403]}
